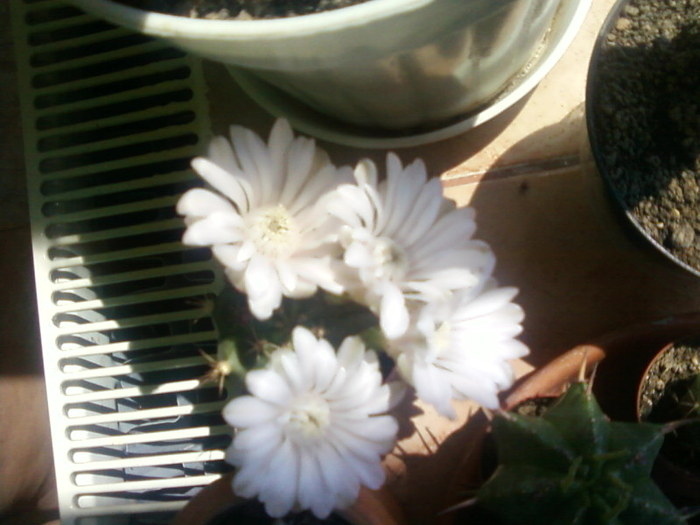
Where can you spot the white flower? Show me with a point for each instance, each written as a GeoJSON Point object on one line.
{"type": "Point", "coordinates": [268, 226]}
{"type": "Point", "coordinates": [407, 242]}
{"type": "Point", "coordinates": [314, 429]}
{"type": "Point", "coordinates": [461, 349]}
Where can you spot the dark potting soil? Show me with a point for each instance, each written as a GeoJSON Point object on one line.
{"type": "Point", "coordinates": [647, 116]}
{"type": "Point", "coordinates": [240, 9]}
{"type": "Point", "coordinates": [535, 406]}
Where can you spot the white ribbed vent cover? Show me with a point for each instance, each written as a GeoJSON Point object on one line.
{"type": "Point", "coordinates": [110, 121]}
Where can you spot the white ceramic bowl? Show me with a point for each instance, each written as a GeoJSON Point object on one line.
{"type": "Point", "coordinates": [392, 64]}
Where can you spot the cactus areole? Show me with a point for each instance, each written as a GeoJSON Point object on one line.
{"type": "Point", "coordinates": [574, 466]}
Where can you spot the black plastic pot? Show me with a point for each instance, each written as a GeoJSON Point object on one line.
{"type": "Point", "coordinates": [599, 136]}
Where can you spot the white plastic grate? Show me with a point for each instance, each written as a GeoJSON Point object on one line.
{"type": "Point", "coordinates": [111, 120]}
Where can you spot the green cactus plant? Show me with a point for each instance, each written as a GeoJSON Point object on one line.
{"type": "Point", "coordinates": [574, 466]}
{"type": "Point", "coordinates": [688, 436]}
{"type": "Point", "coordinates": [681, 403]}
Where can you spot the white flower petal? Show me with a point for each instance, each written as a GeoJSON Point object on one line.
{"type": "Point", "coordinates": [432, 388]}
{"type": "Point", "coordinates": [246, 483]}
{"type": "Point", "coordinates": [217, 228]}
{"type": "Point", "coordinates": [305, 345]}
{"type": "Point", "coordinates": [279, 495]}
{"type": "Point", "coordinates": [227, 255]}
{"type": "Point", "coordinates": [301, 157]}
{"type": "Point", "coordinates": [335, 473]}
{"type": "Point", "coordinates": [255, 164]}
{"type": "Point", "coordinates": [424, 213]}
{"type": "Point", "coordinates": [351, 353]}
{"type": "Point", "coordinates": [230, 184]}
{"type": "Point", "coordinates": [407, 242]}
{"type": "Point", "coordinates": [366, 173]}
{"type": "Point", "coordinates": [279, 145]}
{"type": "Point", "coordinates": [255, 452]}
{"type": "Point", "coordinates": [356, 206]}
{"type": "Point", "coordinates": [321, 272]}
{"type": "Point", "coordinates": [246, 251]}
{"type": "Point", "coordinates": [312, 487]}
{"type": "Point", "coordinates": [315, 191]}
{"type": "Point", "coordinates": [246, 411]}
{"type": "Point", "coordinates": [221, 154]}
{"type": "Point", "coordinates": [268, 386]}
{"type": "Point", "coordinates": [306, 451]}
{"type": "Point", "coordinates": [460, 349]}
{"type": "Point", "coordinates": [393, 313]}
{"type": "Point", "coordinates": [289, 369]}
{"type": "Point", "coordinates": [287, 276]}
{"type": "Point", "coordinates": [199, 202]}
{"type": "Point", "coordinates": [270, 228]}
{"type": "Point", "coordinates": [370, 473]}
{"type": "Point", "coordinates": [358, 255]}
{"type": "Point", "coordinates": [249, 438]}
{"type": "Point", "coordinates": [262, 286]}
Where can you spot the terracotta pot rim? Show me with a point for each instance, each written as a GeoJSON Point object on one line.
{"type": "Point", "coordinates": [565, 368]}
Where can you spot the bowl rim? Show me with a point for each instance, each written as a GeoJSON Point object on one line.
{"type": "Point", "coordinates": [174, 26]}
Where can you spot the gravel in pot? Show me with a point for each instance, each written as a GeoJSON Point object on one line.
{"type": "Point", "coordinates": [643, 110]}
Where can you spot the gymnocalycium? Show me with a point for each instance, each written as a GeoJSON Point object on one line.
{"type": "Point", "coordinates": [574, 466]}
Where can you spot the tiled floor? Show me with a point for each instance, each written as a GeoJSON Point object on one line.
{"type": "Point", "coordinates": [540, 205]}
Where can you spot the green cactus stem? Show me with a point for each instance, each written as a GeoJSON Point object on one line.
{"type": "Point", "coordinates": [688, 436]}
{"type": "Point", "coordinates": [574, 466]}
{"type": "Point", "coordinates": [681, 403]}
{"type": "Point", "coordinates": [246, 343]}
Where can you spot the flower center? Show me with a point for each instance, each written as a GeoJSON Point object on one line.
{"type": "Point", "coordinates": [390, 260]}
{"type": "Point", "coordinates": [308, 418]}
{"type": "Point", "coordinates": [273, 231]}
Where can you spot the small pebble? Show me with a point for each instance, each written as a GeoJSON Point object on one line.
{"type": "Point", "coordinates": [622, 24]}
{"type": "Point", "coordinates": [682, 236]}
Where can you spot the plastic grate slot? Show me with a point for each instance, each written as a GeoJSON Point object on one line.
{"type": "Point", "coordinates": [67, 162]}
{"type": "Point", "coordinates": [117, 109]}
{"type": "Point", "coordinates": [172, 168]}
{"type": "Point", "coordinates": [67, 140]}
{"type": "Point", "coordinates": [129, 269]}
{"type": "Point", "coordinates": [99, 67]}
{"type": "Point", "coordinates": [171, 73]}
{"type": "Point", "coordinates": [68, 32]}
{"type": "Point", "coordinates": [127, 196]}
{"type": "Point", "coordinates": [47, 58]}
{"type": "Point", "coordinates": [111, 120]}
{"type": "Point", "coordinates": [105, 246]}
{"type": "Point", "coordinates": [52, 14]}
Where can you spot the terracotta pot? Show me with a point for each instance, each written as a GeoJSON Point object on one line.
{"type": "Point", "coordinates": [680, 484]}
{"type": "Point", "coordinates": [626, 352]}
{"type": "Point", "coordinates": [373, 507]}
